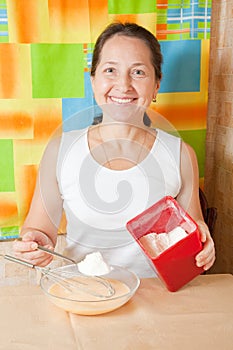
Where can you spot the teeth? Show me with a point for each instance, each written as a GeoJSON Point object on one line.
{"type": "Point", "coordinates": [121, 100]}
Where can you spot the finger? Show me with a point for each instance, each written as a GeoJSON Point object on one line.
{"type": "Point", "coordinates": [31, 254]}
{"type": "Point", "coordinates": [209, 264]}
{"type": "Point", "coordinates": [42, 262]}
{"type": "Point", "coordinates": [205, 255]}
{"type": "Point", "coordinates": [206, 260]}
{"type": "Point", "coordinates": [30, 236]}
{"type": "Point", "coordinates": [34, 258]}
{"type": "Point", "coordinates": [203, 233]}
{"type": "Point", "coordinates": [39, 237]}
{"type": "Point", "coordinates": [207, 249]}
{"type": "Point", "coordinates": [203, 236]}
{"type": "Point", "coordinates": [50, 247]}
{"type": "Point", "coordinates": [203, 230]}
{"type": "Point", "coordinates": [20, 246]}
{"type": "Point", "coordinates": [36, 236]}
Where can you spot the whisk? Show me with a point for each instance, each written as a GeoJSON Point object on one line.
{"type": "Point", "coordinates": [68, 280]}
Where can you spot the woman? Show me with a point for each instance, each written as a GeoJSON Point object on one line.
{"type": "Point", "coordinates": [106, 174]}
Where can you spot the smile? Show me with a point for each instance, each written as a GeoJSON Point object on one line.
{"type": "Point", "coordinates": [121, 100]}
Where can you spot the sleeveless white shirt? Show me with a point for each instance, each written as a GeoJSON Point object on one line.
{"type": "Point", "coordinates": [99, 201]}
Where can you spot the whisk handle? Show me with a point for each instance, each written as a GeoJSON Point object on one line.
{"type": "Point", "coordinates": [26, 263]}
{"type": "Point", "coordinates": [49, 251]}
{"type": "Point", "coordinates": [19, 261]}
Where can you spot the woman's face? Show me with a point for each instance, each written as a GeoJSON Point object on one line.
{"type": "Point", "coordinates": [125, 75]}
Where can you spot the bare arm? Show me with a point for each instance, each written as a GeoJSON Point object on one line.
{"type": "Point", "coordinates": [189, 200]}
{"type": "Point", "coordinates": [43, 219]}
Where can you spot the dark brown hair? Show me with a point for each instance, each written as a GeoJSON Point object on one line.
{"type": "Point", "coordinates": [132, 30]}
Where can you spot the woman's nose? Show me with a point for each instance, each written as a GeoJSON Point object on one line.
{"type": "Point", "coordinates": [123, 83]}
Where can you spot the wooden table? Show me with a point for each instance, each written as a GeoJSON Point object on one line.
{"type": "Point", "coordinates": [197, 317]}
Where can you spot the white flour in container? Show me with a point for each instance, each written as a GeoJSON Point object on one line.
{"type": "Point", "coordinates": [155, 243]}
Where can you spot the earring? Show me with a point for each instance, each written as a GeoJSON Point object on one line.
{"type": "Point", "coordinates": [154, 99]}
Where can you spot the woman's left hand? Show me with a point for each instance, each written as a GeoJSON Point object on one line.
{"type": "Point", "coordinates": [206, 257]}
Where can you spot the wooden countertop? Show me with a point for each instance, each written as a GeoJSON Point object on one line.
{"type": "Point", "coordinates": [198, 316]}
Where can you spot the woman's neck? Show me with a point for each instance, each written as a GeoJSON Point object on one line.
{"type": "Point", "coordinates": [123, 120]}
{"type": "Point", "coordinates": [120, 146]}
{"type": "Point", "coordinates": [119, 130]}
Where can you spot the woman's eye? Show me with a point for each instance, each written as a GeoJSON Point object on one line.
{"type": "Point", "coordinates": [109, 70]}
{"type": "Point", "coordinates": [138, 72]}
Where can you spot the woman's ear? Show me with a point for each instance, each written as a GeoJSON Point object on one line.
{"type": "Point", "coordinates": [157, 87]}
{"type": "Point", "coordinates": [92, 82]}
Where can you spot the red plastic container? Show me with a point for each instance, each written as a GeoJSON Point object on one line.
{"type": "Point", "coordinates": [175, 266]}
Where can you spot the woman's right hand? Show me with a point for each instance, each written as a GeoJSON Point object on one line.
{"type": "Point", "coordinates": [26, 249]}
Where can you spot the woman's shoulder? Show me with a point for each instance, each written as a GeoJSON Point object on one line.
{"type": "Point", "coordinates": [73, 135]}
{"type": "Point", "coordinates": [61, 140]}
{"type": "Point", "coordinates": [172, 135]}
{"type": "Point", "coordinates": [53, 145]}
{"type": "Point", "coordinates": [187, 152]}
{"type": "Point", "coordinates": [169, 139]}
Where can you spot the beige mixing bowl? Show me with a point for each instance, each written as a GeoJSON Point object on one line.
{"type": "Point", "coordinates": [76, 301]}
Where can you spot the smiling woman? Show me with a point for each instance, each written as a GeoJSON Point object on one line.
{"type": "Point", "coordinates": [126, 66]}
{"type": "Point", "coordinates": [125, 74]}
{"type": "Point", "coordinates": [106, 174]}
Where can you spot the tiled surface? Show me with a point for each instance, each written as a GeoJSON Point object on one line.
{"type": "Point", "coordinates": [219, 143]}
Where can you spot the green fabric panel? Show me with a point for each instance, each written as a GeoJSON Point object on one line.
{"type": "Point", "coordinates": [161, 16]}
{"type": "Point", "coordinates": [131, 6]}
{"type": "Point", "coordinates": [9, 232]}
{"type": "Point", "coordinates": [7, 182]}
{"type": "Point", "coordinates": [185, 36]}
{"type": "Point", "coordinates": [2, 4]}
{"type": "Point", "coordinates": [178, 26]}
{"type": "Point", "coordinates": [196, 139]}
{"type": "Point", "coordinates": [4, 39]}
{"type": "Point", "coordinates": [176, 4]}
{"type": "Point", "coordinates": [201, 36]}
{"type": "Point", "coordinates": [203, 3]}
{"type": "Point", "coordinates": [3, 27]}
{"type": "Point", "coordinates": [203, 25]}
{"type": "Point", "coordinates": [57, 70]}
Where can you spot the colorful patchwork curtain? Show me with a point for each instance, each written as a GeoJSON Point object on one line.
{"type": "Point", "coordinates": [45, 57]}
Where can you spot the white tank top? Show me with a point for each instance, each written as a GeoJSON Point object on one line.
{"type": "Point", "coordinates": [99, 201]}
